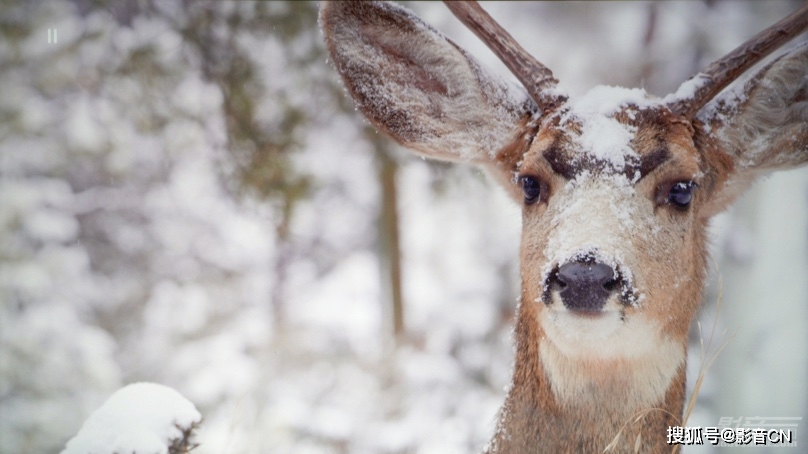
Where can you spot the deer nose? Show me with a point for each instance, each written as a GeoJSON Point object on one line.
{"type": "Point", "coordinates": [585, 287]}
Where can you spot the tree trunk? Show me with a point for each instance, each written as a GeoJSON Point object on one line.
{"type": "Point", "coordinates": [388, 236]}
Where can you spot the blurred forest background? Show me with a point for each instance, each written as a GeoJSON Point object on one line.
{"type": "Point", "coordinates": [188, 197]}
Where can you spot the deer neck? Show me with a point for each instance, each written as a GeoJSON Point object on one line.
{"type": "Point", "coordinates": [566, 403]}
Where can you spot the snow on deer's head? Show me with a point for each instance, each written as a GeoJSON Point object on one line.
{"type": "Point", "coordinates": [617, 186]}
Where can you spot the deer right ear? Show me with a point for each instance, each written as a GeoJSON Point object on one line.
{"type": "Point", "coordinates": [421, 88]}
{"type": "Point", "coordinates": [764, 127]}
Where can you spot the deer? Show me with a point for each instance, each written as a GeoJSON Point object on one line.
{"type": "Point", "coordinates": [617, 188]}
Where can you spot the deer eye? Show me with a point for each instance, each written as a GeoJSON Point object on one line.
{"type": "Point", "coordinates": [681, 193]}
{"type": "Point", "coordinates": [531, 188]}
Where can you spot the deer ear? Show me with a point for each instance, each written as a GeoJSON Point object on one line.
{"type": "Point", "coordinates": [763, 127]}
{"type": "Point", "coordinates": [421, 88]}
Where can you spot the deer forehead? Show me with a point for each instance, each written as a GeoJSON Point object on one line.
{"type": "Point", "coordinates": [629, 135]}
{"type": "Point", "coordinates": [613, 131]}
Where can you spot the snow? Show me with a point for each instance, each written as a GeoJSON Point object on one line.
{"type": "Point", "coordinates": [607, 140]}
{"type": "Point", "coordinates": [688, 88]}
{"type": "Point", "coordinates": [83, 129]}
{"type": "Point", "coordinates": [141, 418]}
{"type": "Point", "coordinates": [602, 136]}
{"type": "Point", "coordinates": [197, 98]}
{"type": "Point", "coordinates": [607, 100]}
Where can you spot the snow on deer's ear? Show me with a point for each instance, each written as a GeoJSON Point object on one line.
{"type": "Point", "coordinates": [421, 88]}
{"type": "Point", "coordinates": [761, 128]}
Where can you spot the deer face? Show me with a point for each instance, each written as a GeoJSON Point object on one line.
{"type": "Point", "coordinates": [611, 199]}
{"type": "Point", "coordinates": [617, 187]}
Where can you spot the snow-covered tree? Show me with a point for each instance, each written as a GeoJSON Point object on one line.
{"type": "Point", "coordinates": [187, 197]}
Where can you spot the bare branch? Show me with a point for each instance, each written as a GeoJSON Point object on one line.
{"type": "Point", "coordinates": [537, 78]}
{"type": "Point", "coordinates": [725, 70]}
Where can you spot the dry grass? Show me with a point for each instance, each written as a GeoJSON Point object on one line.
{"type": "Point", "coordinates": [635, 419]}
{"type": "Point", "coordinates": [706, 357]}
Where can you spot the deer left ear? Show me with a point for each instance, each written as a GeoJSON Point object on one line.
{"type": "Point", "coordinates": [422, 89]}
{"type": "Point", "coordinates": [761, 128]}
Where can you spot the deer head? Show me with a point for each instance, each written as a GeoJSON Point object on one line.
{"type": "Point", "coordinates": [617, 189]}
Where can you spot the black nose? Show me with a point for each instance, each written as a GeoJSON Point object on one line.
{"type": "Point", "coordinates": [585, 286]}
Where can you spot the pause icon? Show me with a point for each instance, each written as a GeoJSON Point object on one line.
{"type": "Point", "coordinates": [52, 37]}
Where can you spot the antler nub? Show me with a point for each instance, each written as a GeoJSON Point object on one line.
{"type": "Point", "coordinates": [536, 78]}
